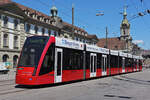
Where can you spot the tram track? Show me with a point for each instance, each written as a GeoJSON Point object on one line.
{"type": "Point", "coordinates": [8, 87]}
{"type": "Point", "coordinates": [12, 91]}
{"type": "Point", "coordinates": [6, 80]}
{"type": "Point", "coordinates": [6, 84]}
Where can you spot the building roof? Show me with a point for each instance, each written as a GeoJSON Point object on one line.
{"type": "Point", "coordinates": [2, 2]}
{"type": "Point", "coordinates": [32, 11]}
{"type": "Point", "coordinates": [146, 52]}
{"type": "Point", "coordinates": [92, 37]}
{"type": "Point", "coordinates": [112, 43]}
{"type": "Point", "coordinates": [75, 27]}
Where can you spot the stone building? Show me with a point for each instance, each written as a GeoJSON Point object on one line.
{"type": "Point", "coordinates": [18, 22]}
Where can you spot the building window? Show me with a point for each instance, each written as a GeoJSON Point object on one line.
{"type": "Point", "coordinates": [36, 29]}
{"type": "Point", "coordinates": [15, 23]}
{"type": "Point", "coordinates": [28, 28]}
{"type": "Point", "coordinates": [83, 41]}
{"type": "Point", "coordinates": [5, 58]}
{"type": "Point", "coordinates": [43, 31]}
{"type": "Point", "coordinates": [15, 42]}
{"type": "Point", "coordinates": [5, 21]}
{"type": "Point", "coordinates": [55, 33]}
{"type": "Point", "coordinates": [49, 32]}
{"type": "Point", "coordinates": [116, 47]}
{"type": "Point", "coordinates": [5, 41]}
{"type": "Point", "coordinates": [45, 20]}
{"type": "Point", "coordinates": [76, 38]}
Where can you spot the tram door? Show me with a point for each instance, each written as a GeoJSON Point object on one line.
{"type": "Point", "coordinates": [123, 64]}
{"type": "Point", "coordinates": [104, 65]}
{"type": "Point", "coordinates": [93, 64]}
{"type": "Point", "coordinates": [134, 64]}
{"type": "Point", "coordinates": [137, 65]}
{"type": "Point", "coordinates": [58, 65]}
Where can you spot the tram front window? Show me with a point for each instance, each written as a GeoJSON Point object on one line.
{"type": "Point", "coordinates": [32, 51]}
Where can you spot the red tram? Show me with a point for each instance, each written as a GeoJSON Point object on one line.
{"type": "Point", "coordinates": [49, 60]}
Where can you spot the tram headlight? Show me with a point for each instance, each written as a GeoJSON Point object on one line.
{"type": "Point", "coordinates": [30, 79]}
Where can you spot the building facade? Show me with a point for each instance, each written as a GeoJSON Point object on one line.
{"type": "Point", "coordinates": [17, 22]}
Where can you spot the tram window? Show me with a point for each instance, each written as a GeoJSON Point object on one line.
{"type": "Point", "coordinates": [120, 62]}
{"type": "Point", "coordinates": [126, 62]}
{"type": "Point", "coordinates": [87, 60]}
{"type": "Point", "coordinates": [108, 61]}
{"type": "Point", "coordinates": [129, 62]}
{"type": "Point", "coordinates": [72, 59]}
{"type": "Point", "coordinates": [91, 63]}
{"type": "Point", "coordinates": [136, 63]}
{"type": "Point", "coordinates": [95, 62]}
{"type": "Point", "coordinates": [140, 62]}
{"type": "Point", "coordinates": [59, 63]}
{"type": "Point", "coordinates": [48, 62]}
{"type": "Point", "coordinates": [114, 61]}
{"type": "Point", "coordinates": [99, 56]}
{"type": "Point", "coordinates": [133, 63]}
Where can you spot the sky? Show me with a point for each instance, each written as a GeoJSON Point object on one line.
{"type": "Point", "coordinates": [85, 16]}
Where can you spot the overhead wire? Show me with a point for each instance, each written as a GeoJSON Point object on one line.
{"type": "Point", "coordinates": [141, 17]}
{"type": "Point", "coordinates": [81, 23]}
{"type": "Point", "coordinates": [145, 23]}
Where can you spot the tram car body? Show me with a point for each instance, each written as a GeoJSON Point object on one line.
{"type": "Point", "coordinates": [49, 60]}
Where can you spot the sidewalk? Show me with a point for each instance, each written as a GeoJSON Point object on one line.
{"type": "Point", "coordinates": [10, 76]}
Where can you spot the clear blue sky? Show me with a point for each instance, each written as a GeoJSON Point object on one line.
{"type": "Point", "coordinates": [85, 16]}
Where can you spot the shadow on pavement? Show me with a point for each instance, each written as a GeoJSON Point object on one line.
{"type": "Point", "coordinates": [122, 97]}
{"type": "Point", "coordinates": [132, 80]}
{"type": "Point", "coordinates": [46, 85]}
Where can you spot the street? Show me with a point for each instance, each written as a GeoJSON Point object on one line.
{"type": "Point", "coordinates": [132, 86]}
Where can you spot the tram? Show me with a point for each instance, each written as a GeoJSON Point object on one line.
{"type": "Point", "coordinates": [50, 60]}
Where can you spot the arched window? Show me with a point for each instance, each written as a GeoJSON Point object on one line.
{"type": "Point", "coordinates": [5, 58]}
{"type": "Point", "coordinates": [36, 29]}
{"type": "Point", "coordinates": [27, 27]}
{"type": "Point", "coordinates": [43, 31]}
{"type": "Point", "coordinates": [5, 20]}
{"type": "Point", "coordinates": [49, 32]}
{"type": "Point", "coordinates": [5, 40]}
{"type": "Point", "coordinates": [15, 42]}
{"type": "Point", "coordinates": [55, 33]}
{"type": "Point", "coordinates": [15, 60]}
{"type": "Point", "coordinates": [15, 24]}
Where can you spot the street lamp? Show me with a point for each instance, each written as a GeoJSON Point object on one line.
{"type": "Point", "coordinates": [140, 14]}
{"type": "Point", "coordinates": [148, 11]}
{"type": "Point", "coordinates": [100, 13]}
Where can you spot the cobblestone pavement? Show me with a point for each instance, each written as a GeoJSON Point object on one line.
{"type": "Point", "coordinates": [132, 86]}
{"type": "Point", "coordinates": [9, 76]}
